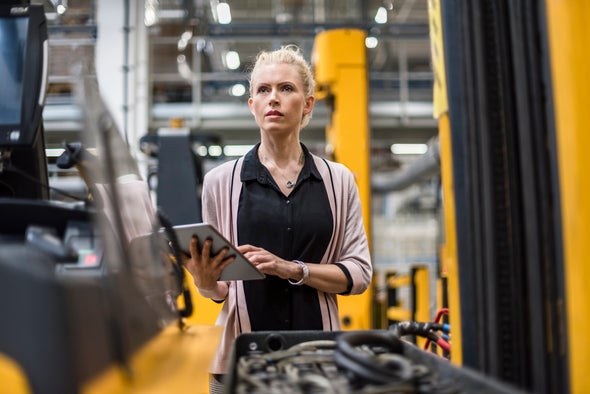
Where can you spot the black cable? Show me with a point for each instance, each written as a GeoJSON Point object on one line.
{"type": "Point", "coordinates": [367, 365]}
{"type": "Point", "coordinates": [426, 330]}
{"type": "Point", "coordinates": [415, 328]}
{"type": "Point", "coordinates": [8, 187]}
{"type": "Point", "coordinates": [16, 170]}
{"type": "Point", "coordinates": [179, 266]}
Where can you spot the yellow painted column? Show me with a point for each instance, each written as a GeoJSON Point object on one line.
{"type": "Point", "coordinates": [569, 39]}
{"type": "Point", "coordinates": [448, 251]}
{"type": "Point", "coordinates": [449, 257]}
{"type": "Point", "coordinates": [339, 59]}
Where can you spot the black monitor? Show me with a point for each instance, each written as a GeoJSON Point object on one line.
{"type": "Point", "coordinates": [23, 79]}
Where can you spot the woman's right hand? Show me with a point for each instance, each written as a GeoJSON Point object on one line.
{"type": "Point", "coordinates": [205, 267]}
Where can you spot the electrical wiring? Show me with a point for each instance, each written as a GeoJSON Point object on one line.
{"type": "Point", "coordinates": [10, 167]}
{"type": "Point", "coordinates": [446, 328]}
{"type": "Point", "coordinates": [426, 330]}
{"type": "Point", "coordinates": [178, 268]}
{"type": "Point", "coordinates": [355, 352]}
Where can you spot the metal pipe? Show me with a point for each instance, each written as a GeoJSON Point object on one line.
{"type": "Point", "coordinates": [427, 166]}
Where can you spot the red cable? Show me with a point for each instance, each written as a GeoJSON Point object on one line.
{"type": "Point", "coordinates": [443, 344]}
{"type": "Point", "coordinates": [439, 315]}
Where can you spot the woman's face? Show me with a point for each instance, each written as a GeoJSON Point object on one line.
{"type": "Point", "coordinates": [278, 100]}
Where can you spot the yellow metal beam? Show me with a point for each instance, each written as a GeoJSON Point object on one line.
{"type": "Point", "coordinates": [339, 59]}
{"type": "Point", "coordinates": [398, 313]}
{"type": "Point", "coordinates": [422, 288]}
{"type": "Point", "coordinates": [449, 256]}
{"type": "Point", "coordinates": [569, 39]}
{"type": "Point", "coordinates": [421, 285]}
{"type": "Point", "coordinates": [396, 281]}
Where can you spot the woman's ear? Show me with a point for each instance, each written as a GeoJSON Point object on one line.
{"type": "Point", "coordinates": [251, 106]}
{"type": "Point", "coordinates": [309, 103]}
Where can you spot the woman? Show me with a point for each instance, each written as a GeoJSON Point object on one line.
{"type": "Point", "coordinates": [296, 216]}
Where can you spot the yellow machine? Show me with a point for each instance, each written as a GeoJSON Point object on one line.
{"type": "Point", "coordinates": [569, 37]}
{"type": "Point", "coordinates": [511, 97]}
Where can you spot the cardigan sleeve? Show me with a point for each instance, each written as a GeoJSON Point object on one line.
{"type": "Point", "coordinates": [354, 252]}
{"type": "Point", "coordinates": [216, 194]}
{"type": "Point", "coordinates": [209, 212]}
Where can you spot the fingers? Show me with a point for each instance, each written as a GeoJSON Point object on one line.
{"type": "Point", "coordinates": [204, 253]}
{"type": "Point", "coordinates": [226, 261]}
{"type": "Point", "coordinates": [249, 248]}
{"type": "Point", "coordinates": [206, 258]}
{"type": "Point", "coordinates": [194, 246]}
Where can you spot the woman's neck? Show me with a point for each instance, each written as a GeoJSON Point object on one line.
{"type": "Point", "coordinates": [280, 154]}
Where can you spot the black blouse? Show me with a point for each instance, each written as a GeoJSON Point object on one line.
{"type": "Point", "coordinates": [297, 227]}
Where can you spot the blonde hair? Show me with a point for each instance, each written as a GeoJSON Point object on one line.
{"type": "Point", "coordinates": [289, 54]}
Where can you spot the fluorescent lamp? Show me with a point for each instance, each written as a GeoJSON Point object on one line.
{"type": "Point", "coordinates": [215, 150]}
{"type": "Point", "coordinates": [371, 42]}
{"type": "Point", "coordinates": [232, 60]}
{"type": "Point", "coordinates": [238, 90]}
{"type": "Point", "coordinates": [172, 14]}
{"type": "Point", "coordinates": [184, 40]}
{"type": "Point", "coordinates": [409, 149]}
{"type": "Point", "coordinates": [150, 16]}
{"type": "Point", "coordinates": [236, 150]}
{"type": "Point", "coordinates": [223, 14]}
{"type": "Point", "coordinates": [202, 150]}
{"type": "Point", "coordinates": [54, 152]}
{"type": "Point", "coordinates": [381, 16]}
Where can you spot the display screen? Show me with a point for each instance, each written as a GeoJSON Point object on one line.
{"type": "Point", "coordinates": [13, 38]}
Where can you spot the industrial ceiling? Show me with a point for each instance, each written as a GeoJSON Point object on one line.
{"type": "Point", "coordinates": [189, 67]}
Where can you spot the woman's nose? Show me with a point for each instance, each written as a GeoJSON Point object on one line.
{"type": "Point", "coordinates": [272, 98]}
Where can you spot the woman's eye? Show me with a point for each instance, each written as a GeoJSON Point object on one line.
{"type": "Point", "coordinates": [262, 90]}
{"type": "Point", "coordinates": [288, 88]}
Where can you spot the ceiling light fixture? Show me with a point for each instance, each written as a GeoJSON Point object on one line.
{"type": "Point", "coordinates": [409, 149]}
{"type": "Point", "coordinates": [237, 90]}
{"type": "Point", "coordinates": [150, 16]}
{"type": "Point", "coordinates": [183, 68]}
{"type": "Point", "coordinates": [381, 15]}
{"type": "Point", "coordinates": [232, 60]}
{"type": "Point", "coordinates": [236, 150]}
{"type": "Point", "coordinates": [215, 151]}
{"type": "Point", "coordinates": [371, 42]}
{"type": "Point", "coordinates": [184, 40]}
{"type": "Point", "coordinates": [223, 14]}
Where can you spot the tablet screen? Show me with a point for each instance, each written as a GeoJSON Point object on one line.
{"type": "Point", "coordinates": [240, 269]}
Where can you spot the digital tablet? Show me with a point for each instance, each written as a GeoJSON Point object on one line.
{"type": "Point", "coordinates": [240, 269]}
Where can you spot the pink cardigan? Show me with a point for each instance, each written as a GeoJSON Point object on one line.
{"type": "Point", "coordinates": [348, 246]}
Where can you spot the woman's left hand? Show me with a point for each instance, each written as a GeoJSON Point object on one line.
{"type": "Point", "coordinates": [268, 263]}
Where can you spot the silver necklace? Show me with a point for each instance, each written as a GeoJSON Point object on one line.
{"type": "Point", "coordinates": [289, 184]}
